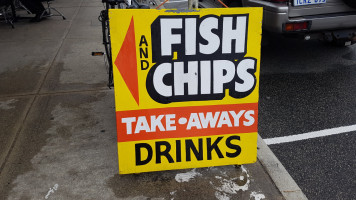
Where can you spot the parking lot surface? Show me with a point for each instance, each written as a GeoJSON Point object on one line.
{"type": "Point", "coordinates": [309, 86]}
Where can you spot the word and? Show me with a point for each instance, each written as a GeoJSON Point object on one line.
{"type": "Point", "coordinates": [144, 53]}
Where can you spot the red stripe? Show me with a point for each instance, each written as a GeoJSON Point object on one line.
{"type": "Point", "coordinates": [181, 129]}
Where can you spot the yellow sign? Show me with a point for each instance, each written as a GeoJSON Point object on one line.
{"type": "Point", "coordinates": [186, 87]}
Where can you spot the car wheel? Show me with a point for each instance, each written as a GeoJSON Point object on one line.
{"type": "Point", "coordinates": [351, 3]}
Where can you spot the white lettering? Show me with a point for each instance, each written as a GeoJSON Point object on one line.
{"type": "Point", "coordinates": [250, 118]}
{"type": "Point", "coordinates": [128, 121]}
{"type": "Point", "coordinates": [170, 122]}
{"type": "Point", "coordinates": [236, 117]}
{"type": "Point", "coordinates": [224, 120]}
{"type": "Point", "coordinates": [167, 37]}
{"type": "Point", "coordinates": [205, 30]}
{"type": "Point", "coordinates": [156, 122]}
{"type": "Point", "coordinates": [190, 36]}
{"type": "Point", "coordinates": [191, 78]}
{"type": "Point", "coordinates": [237, 34]}
{"type": "Point", "coordinates": [209, 119]}
{"type": "Point", "coordinates": [193, 121]}
{"type": "Point", "coordinates": [142, 125]}
{"type": "Point", "coordinates": [161, 71]}
{"type": "Point", "coordinates": [247, 78]}
{"type": "Point", "coordinates": [205, 77]}
{"type": "Point", "coordinates": [224, 72]}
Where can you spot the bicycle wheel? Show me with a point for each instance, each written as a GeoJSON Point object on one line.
{"type": "Point", "coordinates": [107, 45]}
{"type": "Point", "coordinates": [109, 55]}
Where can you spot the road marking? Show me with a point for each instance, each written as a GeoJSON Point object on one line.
{"type": "Point", "coordinates": [314, 134]}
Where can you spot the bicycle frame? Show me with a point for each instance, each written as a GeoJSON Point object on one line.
{"type": "Point", "coordinates": [104, 15]}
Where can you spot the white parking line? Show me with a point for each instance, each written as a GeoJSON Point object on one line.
{"type": "Point", "coordinates": [314, 134]}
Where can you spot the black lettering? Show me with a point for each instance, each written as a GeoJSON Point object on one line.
{"type": "Point", "coordinates": [144, 64]}
{"type": "Point", "coordinates": [214, 146]}
{"type": "Point", "coordinates": [233, 146]}
{"type": "Point", "coordinates": [138, 148]}
{"type": "Point", "coordinates": [164, 153]}
{"type": "Point", "coordinates": [143, 40]}
{"type": "Point", "coordinates": [143, 53]}
{"type": "Point", "coordinates": [189, 145]}
{"type": "Point", "coordinates": [178, 151]}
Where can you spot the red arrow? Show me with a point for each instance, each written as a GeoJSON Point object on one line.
{"type": "Point", "coordinates": [126, 62]}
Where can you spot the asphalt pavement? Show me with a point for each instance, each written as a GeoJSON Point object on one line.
{"type": "Point", "coordinates": [58, 131]}
{"type": "Point", "coordinates": [309, 86]}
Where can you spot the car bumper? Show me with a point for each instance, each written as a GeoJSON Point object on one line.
{"type": "Point", "coordinates": [275, 16]}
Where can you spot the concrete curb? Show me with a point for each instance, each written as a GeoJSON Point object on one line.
{"type": "Point", "coordinates": [279, 175]}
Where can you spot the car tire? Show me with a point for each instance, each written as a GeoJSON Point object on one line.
{"type": "Point", "coordinates": [351, 3]}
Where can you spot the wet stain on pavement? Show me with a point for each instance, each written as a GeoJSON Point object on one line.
{"type": "Point", "coordinates": [64, 132]}
{"type": "Point", "coordinates": [203, 183]}
{"type": "Point", "coordinates": [48, 130]}
{"type": "Point", "coordinates": [8, 104]}
{"type": "Point", "coordinates": [20, 81]}
{"type": "Point", "coordinates": [53, 82]}
{"type": "Point", "coordinates": [19, 160]}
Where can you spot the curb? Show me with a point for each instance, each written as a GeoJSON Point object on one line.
{"type": "Point", "coordinates": [279, 175]}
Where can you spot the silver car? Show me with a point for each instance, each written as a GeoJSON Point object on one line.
{"type": "Point", "coordinates": [329, 20]}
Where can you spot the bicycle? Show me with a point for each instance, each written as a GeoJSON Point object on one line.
{"type": "Point", "coordinates": [104, 19]}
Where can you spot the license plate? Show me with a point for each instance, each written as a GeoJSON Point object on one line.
{"type": "Point", "coordinates": [308, 2]}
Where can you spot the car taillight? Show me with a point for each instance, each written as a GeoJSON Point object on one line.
{"type": "Point", "coordinates": [299, 26]}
